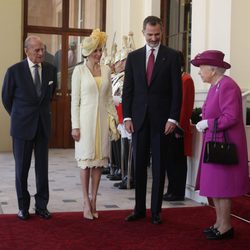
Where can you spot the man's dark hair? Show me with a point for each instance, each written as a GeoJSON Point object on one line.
{"type": "Point", "coordinates": [152, 20]}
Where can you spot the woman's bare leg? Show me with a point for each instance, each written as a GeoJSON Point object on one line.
{"type": "Point", "coordinates": [96, 176]}
{"type": "Point", "coordinates": [225, 214]}
{"type": "Point", "coordinates": [85, 176]}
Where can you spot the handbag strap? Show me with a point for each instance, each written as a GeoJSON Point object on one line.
{"type": "Point", "coordinates": [215, 131]}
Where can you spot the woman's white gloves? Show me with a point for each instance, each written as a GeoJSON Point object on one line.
{"type": "Point", "coordinates": [202, 125]}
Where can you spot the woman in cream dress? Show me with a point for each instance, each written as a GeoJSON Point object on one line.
{"type": "Point", "coordinates": [91, 106]}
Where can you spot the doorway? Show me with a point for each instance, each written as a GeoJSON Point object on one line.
{"type": "Point", "coordinates": [62, 25]}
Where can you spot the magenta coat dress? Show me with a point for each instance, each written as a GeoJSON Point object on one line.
{"type": "Point", "coordinates": [224, 101]}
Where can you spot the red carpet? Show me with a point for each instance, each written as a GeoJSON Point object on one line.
{"type": "Point", "coordinates": [241, 207]}
{"type": "Point", "coordinates": [181, 229]}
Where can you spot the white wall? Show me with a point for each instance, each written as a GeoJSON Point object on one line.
{"type": "Point", "coordinates": [222, 25]}
{"type": "Point", "coordinates": [124, 16]}
{"type": "Point", "coordinates": [11, 52]}
{"type": "Point", "coordinates": [211, 21]}
{"type": "Point", "coordinates": [240, 42]}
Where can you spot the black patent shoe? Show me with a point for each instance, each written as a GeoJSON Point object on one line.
{"type": "Point", "coordinates": [23, 215]}
{"type": "Point", "coordinates": [217, 235]}
{"type": "Point", "coordinates": [209, 230]}
{"type": "Point", "coordinates": [43, 213]}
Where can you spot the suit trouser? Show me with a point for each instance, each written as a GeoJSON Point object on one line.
{"type": "Point", "coordinates": [176, 167]}
{"type": "Point", "coordinates": [22, 150]}
{"type": "Point", "coordinates": [144, 141]}
{"type": "Point", "coordinates": [116, 153]}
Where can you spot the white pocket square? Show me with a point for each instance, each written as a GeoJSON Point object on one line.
{"type": "Point", "coordinates": [50, 82]}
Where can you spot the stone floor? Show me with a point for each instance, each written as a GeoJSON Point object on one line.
{"type": "Point", "coordinates": [65, 187]}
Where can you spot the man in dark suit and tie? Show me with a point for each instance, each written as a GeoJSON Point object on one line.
{"type": "Point", "coordinates": [151, 103]}
{"type": "Point", "coordinates": [27, 91]}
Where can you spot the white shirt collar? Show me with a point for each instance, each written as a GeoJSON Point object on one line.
{"type": "Point", "coordinates": [148, 48]}
{"type": "Point", "coordinates": [31, 64]}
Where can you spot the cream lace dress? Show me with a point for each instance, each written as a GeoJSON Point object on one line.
{"type": "Point", "coordinates": [97, 162]}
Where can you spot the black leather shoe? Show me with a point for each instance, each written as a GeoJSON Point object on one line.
{"type": "Point", "coordinates": [105, 171]}
{"type": "Point", "coordinates": [43, 213]}
{"type": "Point", "coordinates": [167, 195]}
{"type": "Point", "coordinates": [209, 230]}
{"type": "Point", "coordinates": [156, 219]}
{"type": "Point", "coordinates": [23, 215]}
{"type": "Point", "coordinates": [117, 184]}
{"type": "Point", "coordinates": [135, 216]}
{"type": "Point", "coordinates": [115, 177]}
{"type": "Point", "coordinates": [217, 235]}
{"type": "Point", "coordinates": [124, 185]}
{"type": "Point", "coordinates": [172, 197]}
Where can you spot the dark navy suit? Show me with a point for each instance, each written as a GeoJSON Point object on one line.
{"type": "Point", "coordinates": [30, 127]}
{"type": "Point", "coordinates": [150, 107]}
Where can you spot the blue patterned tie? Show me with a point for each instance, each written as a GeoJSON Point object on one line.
{"type": "Point", "coordinates": [37, 80]}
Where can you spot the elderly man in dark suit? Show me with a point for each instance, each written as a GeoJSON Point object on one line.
{"type": "Point", "coordinates": [27, 91]}
{"type": "Point", "coordinates": [151, 105]}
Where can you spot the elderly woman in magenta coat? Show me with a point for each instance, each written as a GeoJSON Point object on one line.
{"type": "Point", "coordinates": [217, 181]}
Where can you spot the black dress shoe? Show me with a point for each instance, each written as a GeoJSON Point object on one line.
{"type": "Point", "coordinates": [124, 185]}
{"type": "Point", "coordinates": [217, 235]}
{"type": "Point", "coordinates": [23, 215]}
{"type": "Point", "coordinates": [156, 219]}
{"type": "Point", "coordinates": [117, 184]}
{"type": "Point", "coordinates": [172, 197]}
{"type": "Point", "coordinates": [135, 216]}
{"type": "Point", "coordinates": [167, 195]}
{"type": "Point", "coordinates": [209, 230]}
{"type": "Point", "coordinates": [115, 177]}
{"type": "Point", "coordinates": [43, 213]}
{"type": "Point", "coordinates": [106, 171]}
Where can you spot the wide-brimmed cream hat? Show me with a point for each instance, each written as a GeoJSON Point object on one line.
{"type": "Point", "coordinates": [95, 40]}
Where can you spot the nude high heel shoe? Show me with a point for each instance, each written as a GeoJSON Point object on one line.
{"type": "Point", "coordinates": [87, 213]}
{"type": "Point", "coordinates": [93, 210]}
{"type": "Point", "coordinates": [95, 215]}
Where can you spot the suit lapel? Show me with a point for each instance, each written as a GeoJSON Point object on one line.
{"type": "Point", "coordinates": [142, 64]}
{"type": "Point", "coordinates": [161, 58]}
{"type": "Point", "coordinates": [45, 80]}
{"type": "Point", "coordinates": [29, 78]}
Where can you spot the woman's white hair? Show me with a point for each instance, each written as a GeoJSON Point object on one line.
{"type": "Point", "coordinates": [218, 70]}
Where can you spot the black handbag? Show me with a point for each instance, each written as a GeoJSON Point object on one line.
{"type": "Point", "coordinates": [220, 152]}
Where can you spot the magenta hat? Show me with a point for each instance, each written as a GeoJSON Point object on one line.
{"type": "Point", "coordinates": [211, 57]}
